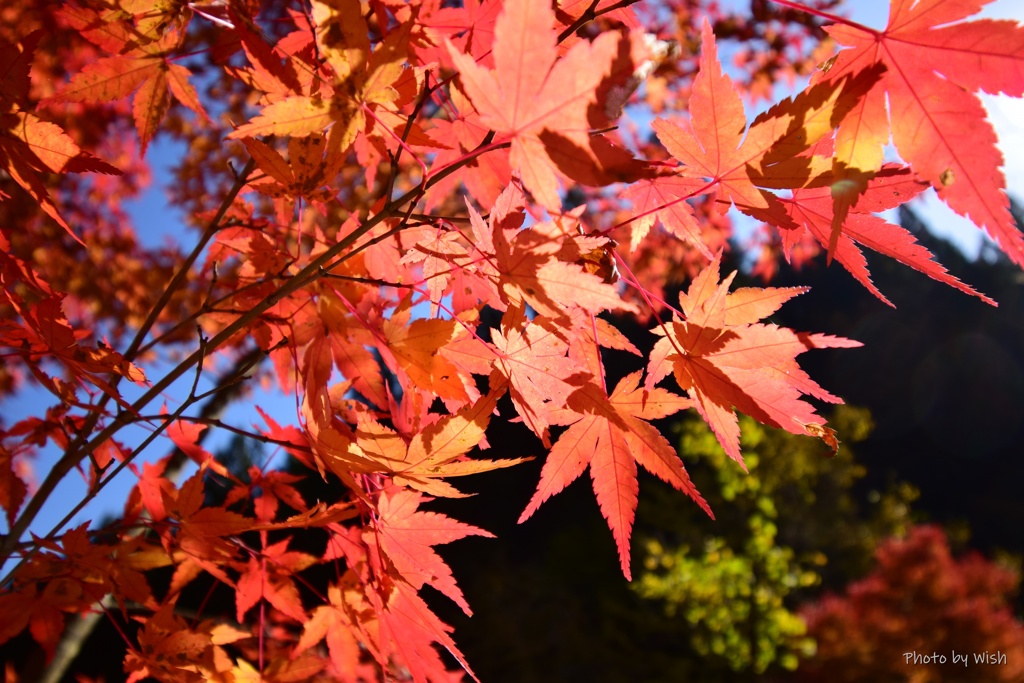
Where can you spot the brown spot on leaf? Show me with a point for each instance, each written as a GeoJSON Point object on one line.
{"type": "Point", "coordinates": [826, 434]}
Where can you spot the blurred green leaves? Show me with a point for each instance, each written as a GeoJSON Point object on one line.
{"type": "Point", "coordinates": [796, 522]}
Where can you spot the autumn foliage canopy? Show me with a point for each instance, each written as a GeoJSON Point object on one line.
{"type": "Point", "coordinates": [414, 219]}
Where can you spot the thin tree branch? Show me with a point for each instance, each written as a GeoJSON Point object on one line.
{"type": "Point", "coordinates": [309, 274]}
{"type": "Point", "coordinates": [81, 627]}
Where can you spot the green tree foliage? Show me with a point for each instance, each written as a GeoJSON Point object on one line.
{"type": "Point", "coordinates": [794, 521]}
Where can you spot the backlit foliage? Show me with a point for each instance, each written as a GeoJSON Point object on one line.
{"type": "Point", "coordinates": [412, 219]}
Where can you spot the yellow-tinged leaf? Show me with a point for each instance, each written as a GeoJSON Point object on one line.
{"type": "Point", "coordinates": [416, 347]}
{"type": "Point", "coordinates": [438, 450]}
{"type": "Point", "coordinates": [222, 634]}
{"type": "Point", "coordinates": [299, 115]}
{"type": "Point", "coordinates": [452, 436]}
{"type": "Point", "coordinates": [385, 66]}
{"type": "Point", "coordinates": [342, 36]}
{"type": "Point", "coordinates": [47, 141]}
{"type": "Point", "coordinates": [145, 559]}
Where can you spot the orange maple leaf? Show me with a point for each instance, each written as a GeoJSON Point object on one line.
{"type": "Point", "coordinates": [145, 71]}
{"type": "Point", "coordinates": [611, 435]}
{"type": "Point", "coordinates": [337, 622]}
{"type": "Point", "coordinates": [723, 358]}
{"type": "Point", "coordinates": [743, 167]}
{"type": "Point", "coordinates": [304, 174]}
{"type": "Point", "coordinates": [435, 452]}
{"type": "Point", "coordinates": [364, 81]}
{"type": "Point", "coordinates": [438, 450]}
{"type": "Point", "coordinates": [539, 266]}
{"type": "Point", "coordinates": [280, 670]}
{"type": "Point", "coordinates": [201, 531]}
{"type": "Point", "coordinates": [407, 536]}
{"type": "Point", "coordinates": [71, 578]}
{"type": "Point", "coordinates": [415, 349]}
{"type": "Point", "coordinates": [29, 146]}
{"type": "Point", "coordinates": [539, 102]}
{"type": "Point", "coordinates": [172, 650]}
{"type": "Point", "coordinates": [45, 332]}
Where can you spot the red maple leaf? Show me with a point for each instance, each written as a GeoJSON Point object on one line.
{"type": "Point", "coordinates": [925, 99]}
{"type": "Point", "coordinates": [540, 265]}
{"type": "Point", "coordinates": [270, 577]}
{"type": "Point", "coordinates": [610, 434]}
{"type": "Point", "coordinates": [532, 359]}
{"type": "Point", "coordinates": [892, 185]}
{"type": "Point", "coordinates": [12, 487]}
{"type": "Point", "coordinates": [409, 631]}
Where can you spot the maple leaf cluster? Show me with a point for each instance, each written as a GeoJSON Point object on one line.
{"type": "Point", "coordinates": [424, 217]}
